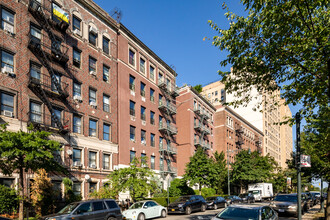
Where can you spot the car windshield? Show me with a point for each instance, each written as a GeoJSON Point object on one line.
{"type": "Point", "coordinates": [183, 199]}
{"type": "Point", "coordinates": [239, 213]}
{"type": "Point", "coordinates": [69, 208]}
{"type": "Point", "coordinates": [228, 197]}
{"type": "Point", "coordinates": [286, 198]}
{"type": "Point", "coordinates": [254, 191]}
{"type": "Point", "coordinates": [137, 205]}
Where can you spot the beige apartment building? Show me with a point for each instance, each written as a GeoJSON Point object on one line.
{"type": "Point", "coordinates": [277, 140]}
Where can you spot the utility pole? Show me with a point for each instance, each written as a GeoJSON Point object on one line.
{"type": "Point", "coordinates": [298, 164]}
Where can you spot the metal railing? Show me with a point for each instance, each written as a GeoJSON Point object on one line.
{"type": "Point", "coordinates": [163, 105]}
{"type": "Point", "coordinates": [167, 128]}
{"type": "Point", "coordinates": [168, 148]}
{"type": "Point", "coordinates": [42, 120]}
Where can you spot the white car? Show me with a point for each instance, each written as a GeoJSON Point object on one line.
{"type": "Point", "coordinates": [144, 210]}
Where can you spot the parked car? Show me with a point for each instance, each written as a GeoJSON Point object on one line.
{"type": "Point", "coordinates": [215, 202]}
{"type": "Point", "coordinates": [187, 204]}
{"type": "Point", "coordinates": [233, 199]}
{"type": "Point", "coordinates": [247, 197]}
{"type": "Point", "coordinates": [287, 203]}
{"type": "Point", "coordinates": [251, 212]}
{"type": "Point", "coordinates": [144, 210]}
{"type": "Point", "coordinates": [106, 209]}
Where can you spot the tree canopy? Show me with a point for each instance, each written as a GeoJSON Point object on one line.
{"type": "Point", "coordinates": [280, 45]}
{"type": "Point", "coordinates": [220, 165]}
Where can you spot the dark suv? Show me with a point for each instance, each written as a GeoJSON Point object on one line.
{"type": "Point", "coordinates": [98, 209]}
{"type": "Point", "coordinates": [187, 204]}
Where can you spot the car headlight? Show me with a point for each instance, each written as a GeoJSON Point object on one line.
{"type": "Point", "coordinates": [292, 207]}
{"type": "Point", "coordinates": [180, 205]}
{"type": "Point", "coordinates": [51, 218]}
{"type": "Point", "coordinates": [210, 203]}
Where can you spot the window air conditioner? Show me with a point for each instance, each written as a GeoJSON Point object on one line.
{"type": "Point", "coordinates": [77, 32]}
{"type": "Point", "coordinates": [77, 98]}
{"type": "Point", "coordinates": [9, 28]}
{"type": "Point", "coordinates": [92, 104]}
{"type": "Point", "coordinates": [92, 73]}
{"type": "Point", "coordinates": [93, 30]}
{"type": "Point", "coordinates": [93, 166]}
{"type": "Point", "coordinates": [8, 113]}
{"type": "Point", "coordinates": [76, 164]}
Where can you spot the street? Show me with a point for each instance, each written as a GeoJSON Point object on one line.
{"type": "Point", "coordinates": [208, 214]}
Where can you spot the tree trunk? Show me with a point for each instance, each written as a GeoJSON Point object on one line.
{"type": "Point", "coordinates": [200, 189]}
{"type": "Point", "coordinates": [21, 194]}
{"type": "Point", "coordinates": [327, 209]}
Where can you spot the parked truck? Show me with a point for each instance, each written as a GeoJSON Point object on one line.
{"type": "Point", "coordinates": [261, 191]}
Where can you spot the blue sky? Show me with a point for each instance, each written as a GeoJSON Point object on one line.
{"type": "Point", "coordinates": [175, 29]}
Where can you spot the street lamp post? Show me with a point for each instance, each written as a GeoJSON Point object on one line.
{"type": "Point", "coordinates": [228, 171]}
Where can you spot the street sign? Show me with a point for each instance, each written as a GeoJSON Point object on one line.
{"type": "Point", "coordinates": [288, 181]}
{"type": "Point", "coordinates": [305, 161]}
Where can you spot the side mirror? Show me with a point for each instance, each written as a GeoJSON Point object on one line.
{"type": "Point", "coordinates": [145, 207]}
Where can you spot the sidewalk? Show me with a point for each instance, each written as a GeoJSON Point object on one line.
{"type": "Point", "coordinates": [312, 212]}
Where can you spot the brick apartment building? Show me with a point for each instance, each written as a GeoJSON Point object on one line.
{"type": "Point", "coordinates": [59, 73]}
{"type": "Point", "coordinates": [147, 119]}
{"type": "Point", "coordinates": [195, 125]}
{"type": "Point", "coordinates": [234, 133]}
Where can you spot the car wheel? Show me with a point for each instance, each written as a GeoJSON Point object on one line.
{"type": "Point", "coordinates": [141, 217]}
{"type": "Point", "coordinates": [203, 208]}
{"type": "Point", "coordinates": [188, 210]}
{"type": "Point", "coordinates": [215, 206]}
{"type": "Point", "coordinates": [163, 214]}
{"type": "Point", "coordinates": [111, 218]}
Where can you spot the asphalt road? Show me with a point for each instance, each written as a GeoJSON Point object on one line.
{"type": "Point", "coordinates": [208, 214]}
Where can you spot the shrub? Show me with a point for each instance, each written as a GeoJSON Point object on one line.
{"type": "Point", "coordinates": [163, 200]}
{"type": "Point", "coordinates": [8, 200]}
{"type": "Point", "coordinates": [69, 195]}
{"type": "Point", "coordinates": [206, 192]}
{"type": "Point", "coordinates": [179, 187]}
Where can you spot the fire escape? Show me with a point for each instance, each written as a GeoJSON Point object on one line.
{"type": "Point", "coordinates": [200, 125]}
{"type": "Point", "coordinates": [239, 140]}
{"type": "Point", "coordinates": [167, 107]}
{"type": "Point", "coordinates": [45, 86]}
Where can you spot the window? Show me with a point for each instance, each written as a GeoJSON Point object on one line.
{"type": "Point", "coordinates": [143, 113]}
{"type": "Point", "coordinates": [7, 62]}
{"type": "Point", "coordinates": [106, 132]}
{"type": "Point", "coordinates": [143, 89]}
{"type": "Point", "coordinates": [76, 24]}
{"type": "Point", "coordinates": [76, 90]}
{"type": "Point", "coordinates": [92, 127]}
{"type": "Point", "coordinates": [106, 161]}
{"type": "Point", "coordinates": [92, 159]}
{"type": "Point", "coordinates": [106, 73]}
{"type": "Point", "coordinates": [152, 95]}
{"type": "Point", "coordinates": [58, 114]}
{"type": "Point", "coordinates": [152, 73]}
{"type": "Point", "coordinates": [92, 187]}
{"type": "Point", "coordinates": [77, 124]}
{"type": "Point", "coordinates": [160, 98]}
{"type": "Point", "coordinates": [131, 156]}
{"type": "Point", "coordinates": [152, 117]}
{"type": "Point", "coordinates": [7, 21]}
{"type": "Point", "coordinates": [132, 83]}
{"type": "Point", "coordinates": [92, 36]}
{"type": "Point", "coordinates": [161, 163]}
{"type": "Point", "coordinates": [168, 84]}
{"type": "Point", "coordinates": [76, 188]}
{"type": "Point", "coordinates": [216, 93]}
{"type": "Point", "coordinates": [112, 204]}
{"type": "Point", "coordinates": [160, 78]}
{"type": "Point", "coordinates": [76, 57]}
{"type": "Point", "coordinates": [35, 33]}
{"type": "Point", "coordinates": [160, 121]}
{"type": "Point", "coordinates": [35, 112]}
{"type": "Point", "coordinates": [132, 108]}
{"type": "Point", "coordinates": [142, 65]}
{"type": "Point", "coordinates": [97, 206]}
{"type": "Point", "coordinates": [58, 79]}
{"type": "Point", "coordinates": [143, 158]}
{"type": "Point", "coordinates": [92, 96]}
{"type": "Point", "coordinates": [223, 95]}
{"type": "Point", "coordinates": [106, 45]}
{"type": "Point", "coordinates": [143, 137]}
{"type": "Point", "coordinates": [35, 72]}
{"type": "Point", "coordinates": [152, 139]}
{"type": "Point", "coordinates": [7, 104]}
{"type": "Point", "coordinates": [76, 157]}
{"type": "Point", "coordinates": [161, 142]}
{"type": "Point", "coordinates": [106, 103]}
{"type": "Point", "coordinates": [132, 133]}
{"type": "Point", "coordinates": [131, 58]}
{"type": "Point", "coordinates": [152, 161]}
{"type": "Point", "coordinates": [92, 65]}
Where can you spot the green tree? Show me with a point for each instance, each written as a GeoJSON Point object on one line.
{"type": "Point", "coordinates": [220, 177]}
{"type": "Point", "coordinates": [21, 151]}
{"type": "Point", "coordinates": [281, 44]}
{"type": "Point", "coordinates": [179, 187]}
{"type": "Point", "coordinates": [251, 167]}
{"type": "Point", "coordinates": [137, 179]}
{"type": "Point", "coordinates": [42, 194]}
{"type": "Point", "coordinates": [198, 88]}
{"type": "Point", "coordinates": [8, 200]}
{"type": "Point", "coordinates": [199, 170]}
{"type": "Point", "coordinates": [315, 141]}
{"type": "Point", "coordinates": [69, 195]}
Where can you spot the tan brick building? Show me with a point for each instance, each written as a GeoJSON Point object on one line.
{"type": "Point", "coordinates": [195, 125]}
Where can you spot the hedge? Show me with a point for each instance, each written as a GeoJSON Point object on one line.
{"type": "Point", "coordinates": [161, 200]}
